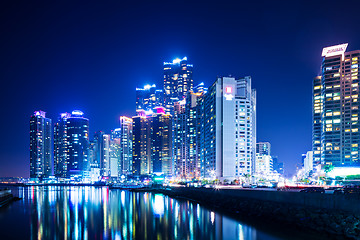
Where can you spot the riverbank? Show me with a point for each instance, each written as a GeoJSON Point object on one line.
{"type": "Point", "coordinates": [6, 197]}
{"type": "Point", "coordinates": [290, 209]}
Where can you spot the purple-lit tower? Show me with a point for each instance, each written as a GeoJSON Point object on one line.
{"type": "Point", "coordinates": [40, 146]}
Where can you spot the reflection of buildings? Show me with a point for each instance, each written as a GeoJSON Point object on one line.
{"type": "Point", "coordinates": [86, 212]}
{"type": "Point", "coordinates": [40, 145]}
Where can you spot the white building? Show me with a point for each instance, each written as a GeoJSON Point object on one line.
{"type": "Point", "coordinates": [229, 129]}
{"type": "Point", "coordinates": [263, 164]}
{"type": "Point", "coordinates": [308, 162]}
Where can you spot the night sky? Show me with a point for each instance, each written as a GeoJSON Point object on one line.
{"type": "Point", "coordinates": [58, 56]}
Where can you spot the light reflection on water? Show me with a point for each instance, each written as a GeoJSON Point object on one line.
{"type": "Point", "coordinates": [100, 213]}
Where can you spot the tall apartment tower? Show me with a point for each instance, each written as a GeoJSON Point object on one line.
{"type": "Point", "coordinates": [186, 142]}
{"type": "Point", "coordinates": [149, 97]}
{"type": "Point", "coordinates": [152, 143]}
{"type": "Point", "coordinates": [40, 145]}
{"type": "Point", "coordinates": [61, 146]}
{"type": "Point", "coordinates": [141, 158]}
{"type": "Point", "coordinates": [336, 108]}
{"type": "Point", "coordinates": [103, 152]}
{"type": "Point", "coordinates": [71, 145]}
{"type": "Point", "coordinates": [229, 129]}
{"type": "Point", "coordinates": [178, 81]}
{"type": "Point", "coordinates": [126, 138]}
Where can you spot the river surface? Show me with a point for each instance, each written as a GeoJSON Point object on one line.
{"type": "Point", "coordinates": [54, 212]}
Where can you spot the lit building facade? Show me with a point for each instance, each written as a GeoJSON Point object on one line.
{"type": "Point", "coordinates": [141, 160]}
{"type": "Point", "coordinates": [263, 148]}
{"type": "Point", "coordinates": [178, 81]}
{"type": "Point", "coordinates": [71, 143]}
{"type": "Point", "coordinates": [40, 145]}
{"type": "Point", "coordinates": [229, 129]}
{"type": "Point", "coordinates": [126, 148]}
{"type": "Point", "coordinates": [61, 146]}
{"type": "Point", "coordinates": [263, 164]}
{"type": "Point", "coordinates": [308, 162]}
{"type": "Point", "coordinates": [149, 97]}
{"type": "Point", "coordinates": [78, 144]}
{"type": "Point", "coordinates": [152, 143]}
{"type": "Point", "coordinates": [187, 134]}
{"type": "Point", "coordinates": [336, 108]}
{"type": "Point", "coordinates": [103, 152]}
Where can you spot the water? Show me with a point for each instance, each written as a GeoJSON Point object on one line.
{"type": "Point", "coordinates": [100, 213]}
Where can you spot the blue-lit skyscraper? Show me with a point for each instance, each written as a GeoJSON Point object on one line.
{"type": "Point", "coordinates": [149, 97]}
{"type": "Point", "coordinates": [72, 145]}
{"type": "Point", "coordinates": [178, 81]}
{"type": "Point", "coordinates": [40, 145]}
{"type": "Point", "coordinates": [61, 146]}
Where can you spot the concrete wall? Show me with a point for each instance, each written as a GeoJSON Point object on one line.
{"type": "Point", "coordinates": [349, 202]}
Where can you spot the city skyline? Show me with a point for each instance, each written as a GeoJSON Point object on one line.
{"type": "Point", "coordinates": [84, 74]}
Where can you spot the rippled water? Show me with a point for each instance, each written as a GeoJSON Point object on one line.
{"type": "Point", "coordinates": [100, 213]}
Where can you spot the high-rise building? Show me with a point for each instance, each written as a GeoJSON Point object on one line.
{"type": "Point", "coordinates": [103, 152]}
{"type": "Point", "coordinates": [152, 143]}
{"type": "Point", "coordinates": [263, 148]}
{"type": "Point", "coordinates": [186, 142]}
{"type": "Point", "coordinates": [179, 140]}
{"type": "Point", "coordinates": [40, 145]}
{"type": "Point", "coordinates": [263, 164]}
{"type": "Point", "coordinates": [336, 108]}
{"type": "Point", "coordinates": [229, 129]}
{"type": "Point", "coordinates": [141, 159]}
{"type": "Point", "coordinates": [78, 144]}
{"type": "Point", "coordinates": [149, 97]}
{"type": "Point", "coordinates": [161, 142]}
{"type": "Point", "coordinates": [178, 81]}
{"type": "Point", "coordinates": [126, 138]}
{"type": "Point", "coordinates": [61, 146]}
{"type": "Point", "coordinates": [72, 145]}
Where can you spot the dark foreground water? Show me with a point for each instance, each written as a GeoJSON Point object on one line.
{"type": "Point", "coordinates": [100, 213]}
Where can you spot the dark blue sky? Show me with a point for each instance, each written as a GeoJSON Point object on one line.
{"type": "Point", "coordinates": [91, 56]}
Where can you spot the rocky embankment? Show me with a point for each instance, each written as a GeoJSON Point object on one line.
{"type": "Point", "coordinates": [335, 223]}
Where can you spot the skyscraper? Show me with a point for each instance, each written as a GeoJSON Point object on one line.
{"type": "Point", "coordinates": [336, 108]}
{"type": "Point", "coordinates": [103, 152]}
{"type": "Point", "coordinates": [149, 97]}
{"type": "Point", "coordinates": [229, 129]}
{"type": "Point", "coordinates": [141, 159]}
{"type": "Point", "coordinates": [72, 145]}
{"type": "Point", "coordinates": [178, 81]}
{"type": "Point", "coordinates": [40, 145]}
{"type": "Point", "coordinates": [126, 138]}
{"type": "Point", "coordinates": [152, 143]}
{"type": "Point", "coordinates": [61, 146]}
{"type": "Point", "coordinates": [186, 142]}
